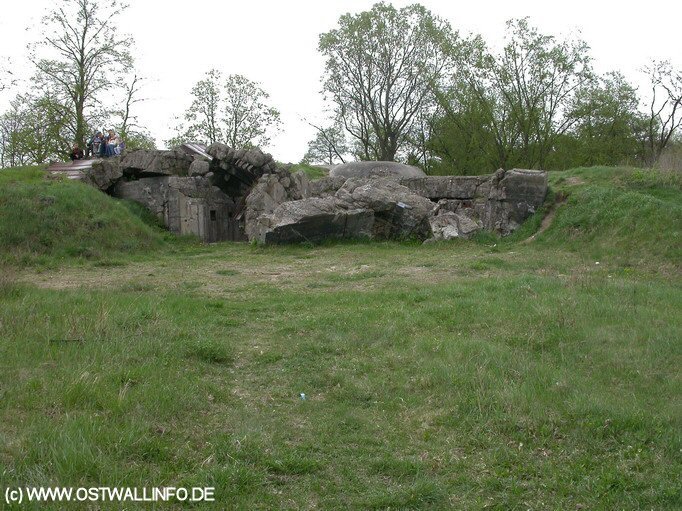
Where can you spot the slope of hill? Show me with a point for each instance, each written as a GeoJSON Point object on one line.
{"type": "Point", "coordinates": [628, 213]}
{"type": "Point", "coordinates": [44, 221]}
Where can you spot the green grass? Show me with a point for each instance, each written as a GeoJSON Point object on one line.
{"type": "Point", "coordinates": [467, 375]}
{"type": "Point", "coordinates": [630, 214]}
{"type": "Point", "coordinates": [48, 222]}
{"type": "Point", "coordinates": [312, 171]}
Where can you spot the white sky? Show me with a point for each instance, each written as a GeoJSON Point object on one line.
{"type": "Point", "coordinates": [275, 43]}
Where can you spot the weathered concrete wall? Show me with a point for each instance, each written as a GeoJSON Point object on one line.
{"type": "Point", "coordinates": [374, 169]}
{"type": "Point", "coordinates": [441, 207]}
{"type": "Point", "coordinates": [186, 205]}
{"type": "Point", "coordinates": [445, 187]}
{"type": "Point", "coordinates": [193, 190]}
{"type": "Point", "coordinates": [270, 191]}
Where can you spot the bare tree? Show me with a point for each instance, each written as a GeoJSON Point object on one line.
{"type": "Point", "coordinates": [7, 78]}
{"type": "Point", "coordinates": [329, 144]}
{"type": "Point", "coordinates": [128, 120]}
{"type": "Point", "coordinates": [380, 68]}
{"type": "Point", "coordinates": [81, 56]}
{"type": "Point", "coordinates": [664, 116]}
{"type": "Point", "coordinates": [131, 131]}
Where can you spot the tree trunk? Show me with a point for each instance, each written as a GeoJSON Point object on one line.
{"type": "Point", "coordinates": [80, 125]}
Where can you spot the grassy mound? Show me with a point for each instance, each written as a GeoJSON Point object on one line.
{"type": "Point", "coordinates": [631, 215]}
{"type": "Point", "coordinates": [43, 221]}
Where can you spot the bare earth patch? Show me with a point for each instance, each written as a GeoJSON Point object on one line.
{"type": "Point", "coordinates": [549, 217]}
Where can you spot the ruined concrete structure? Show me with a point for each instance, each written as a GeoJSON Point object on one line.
{"type": "Point", "coordinates": [219, 193]}
{"type": "Point", "coordinates": [186, 205]}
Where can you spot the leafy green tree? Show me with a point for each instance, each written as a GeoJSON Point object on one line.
{"type": "Point", "coordinates": [417, 144]}
{"type": "Point", "coordinates": [537, 77]}
{"type": "Point", "coordinates": [139, 139]}
{"type": "Point", "coordinates": [32, 131]}
{"type": "Point", "coordinates": [521, 97]}
{"type": "Point", "coordinates": [248, 118]}
{"type": "Point", "coordinates": [475, 130]}
{"type": "Point", "coordinates": [607, 125]}
{"type": "Point", "coordinates": [11, 132]}
{"type": "Point", "coordinates": [463, 137]}
{"type": "Point", "coordinates": [81, 58]}
{"type": "Point", "coordinates": [381, 66]}
{"type": "Point", "coordinates": [203, 115]}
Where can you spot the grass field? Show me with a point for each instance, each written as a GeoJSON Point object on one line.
{"type": "Point", "coordinates": [483, 374]}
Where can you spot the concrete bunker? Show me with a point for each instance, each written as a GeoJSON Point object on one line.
{"type": "Point", "coordinates": [218, 193]}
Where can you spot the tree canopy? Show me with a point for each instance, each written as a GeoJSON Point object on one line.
{"type": "Point", "coordinates": [400, 84]}
{"type": "Point", "coordinates": [80, 57]}
{"type": "Point", "coordinates": [235, 111]}
{"type": "Point", "coordinates": [380, 68]}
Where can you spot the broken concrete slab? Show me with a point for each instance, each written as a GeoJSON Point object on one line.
{"type": "Point", "coordinates": [325, 186]}
{"type": "Point", "coordinates": [399, 212]}
{"type": "Point", "coordinates": [103, 174]}
{"type": "Point", "coordinates": [450, 225]}
{"type": "Point", "coordinates": [377, 209]}
{"type": "Point", "coordinates": [407, 208]}
{"type": "Point", "coordinates": [314, 220]}
{"type": "Point", "coordinates": [146, 163]}
{"type": "Point", "coordinates": [375, 169]}
{"type": "Point", "coordinates": [199, 167]}
{"type": "Point", "coordinates": [270, 191]}
{"type": "Point", "coordinates": [239, 170]}
{"type": "Point", "coordinates": [445, 187]}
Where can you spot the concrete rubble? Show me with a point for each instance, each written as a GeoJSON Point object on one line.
{"type": "Point", "coordinates": [218, 193]}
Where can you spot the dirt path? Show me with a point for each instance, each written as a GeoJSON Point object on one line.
{"type": "Point", "coordinates": [549, 217]}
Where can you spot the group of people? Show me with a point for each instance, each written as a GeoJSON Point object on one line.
{"type": "Point", "coordinates": [99, 146]}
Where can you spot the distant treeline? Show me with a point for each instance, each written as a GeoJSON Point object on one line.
{"type": "Point", "coordinates": [400, 84]}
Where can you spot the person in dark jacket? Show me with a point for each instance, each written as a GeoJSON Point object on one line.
{"type": "Point", "coordinates": [76, 153]}
{"type": "Point", "coordinates": [103, 146]}
{"type": "Point", "coordinates": [94, 144]}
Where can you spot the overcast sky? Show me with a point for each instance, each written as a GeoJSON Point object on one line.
{"type": "Point", "coordinates": [275, 43]}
